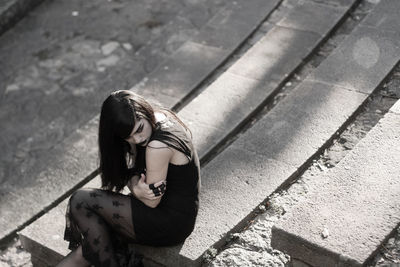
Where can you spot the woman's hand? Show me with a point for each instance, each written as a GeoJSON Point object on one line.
{"type": "Point", "coordinates": [149, 191]}
{"type": "Point", "coordinates": [132, 182]}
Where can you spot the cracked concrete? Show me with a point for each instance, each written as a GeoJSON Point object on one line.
{"type": "Point", "coordinates": [71, 54]}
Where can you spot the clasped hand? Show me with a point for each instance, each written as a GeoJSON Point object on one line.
{"type": "Point", "coordinates": [142, 190]}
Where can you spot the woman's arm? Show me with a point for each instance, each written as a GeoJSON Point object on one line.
{"type": "Point", "coordinates": [132, 182]}
{"type": "Point", "coordinates": [158, 156]}
{"type": "Point", "coordinates": [143, 191]}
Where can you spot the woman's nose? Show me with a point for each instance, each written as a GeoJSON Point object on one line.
{"type": "Point", "coordinates": [137, 139]}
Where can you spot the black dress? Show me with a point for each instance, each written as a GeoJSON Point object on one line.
{"type": "Point", "coordinates": [172, 221]}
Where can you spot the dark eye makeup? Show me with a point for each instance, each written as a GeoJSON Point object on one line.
{"type": "Point", "coordinates": [140, 129]}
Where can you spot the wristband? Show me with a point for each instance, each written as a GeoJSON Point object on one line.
{"type": "Point", "coordinates": [159, 189]}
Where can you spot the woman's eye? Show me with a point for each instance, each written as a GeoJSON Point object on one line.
{"type": "Point", "coordinates": [139, 130]}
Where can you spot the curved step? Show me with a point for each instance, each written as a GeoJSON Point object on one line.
{"type": "Point", "coordinates": [74, 160]}
{"type": "Point", "coordinates": [52, 83]}
{"type": "Point", "coordinates": [11, 11]}
{"type": "Point", "coordinates": [277, 147]}
{"type": "Point", "coordinates": [290, 47]}
{"type": "Point", "coordinates": [356, 203]}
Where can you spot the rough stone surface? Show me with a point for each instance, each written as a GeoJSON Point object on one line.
{"type": "Point", "coordinates": [55, 248]}
{"type": "Point", "coordinates": [21, 199]}
{"type": "Point", "coordinates": [252, 245]}
{"type": "Point", "coordinates": [233, 25]}
{"type": "Point", "coordinates": [82, 50]}
{"type": "Point", "coordinates": [303, 18]}
{"type": "Point", "coordinates": [51, 175]}
{"type": "Point", "coordinates": [357, 203]}
{"type": "Point", "coordinates": [13, 10]}
{"type": "Point", "coordinates": [15, 256]}
{"type": "Point", "coordinates": [337, 3]}
{"type": "Point", "coordinates": [385, 16]}
{"type": "Point", "coordinates": [230, 99]}
{"type": "Point", "coordinates": [223, 105]}
{"type": "Point", "coordinates": [365, 57]}
{"type": "Point", "coordinates": [229, 177]}
{"type": "Point", "coordinates": [179, 75]}
{"type": "Point", "coordinates": [294, 130]}
{"type": "Point", "coordinates": [214, 173]}
{"type": "Point", "coordinates": [275, 54]}
{"type": "Point", "coordinates": [229, 96]}
{"type": "Point", "coordinates": [186, 255]}
{"type": "Point", "coordinates": [48, 242]}
{"type": "Point", "coordinates": [250, 174]}
{"type": "Point", "coordinates": [67, 77]}
{"type": "Point", "coordinates": [396, 108]}
{"type": "Point", "coordinates": [271, 59]}
{"type": "Point", "coordinates": [333, 96]}
{"type": "Point", "coordinates": [205, 136]}
{"type": "Point", "coordinates": [53, 55]}
{"type": "Point", "coordinates": [54, 75]}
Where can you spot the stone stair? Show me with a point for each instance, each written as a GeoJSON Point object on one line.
{"type": "Point", "coordinates": [354, 208]}
{"type": "Point", "coordinates": [45, 119]}
{"type": "Point", "coordinates": [258, 75]}
{"type": "Point", "coordinates": [11, 11]}
{"type": "Point", "coordinates": [254, 165]}
{"type": "Point", "coordinates": [73, 161]}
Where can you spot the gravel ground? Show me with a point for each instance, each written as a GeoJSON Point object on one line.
{"type": "Point", "coordinates": [14, 255]}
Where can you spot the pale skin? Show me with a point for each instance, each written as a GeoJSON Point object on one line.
{"type": "Point", "coordinates": [158, 157]}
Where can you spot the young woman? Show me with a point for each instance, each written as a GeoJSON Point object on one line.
{"type": "Point", "coordinates": [150, 151]}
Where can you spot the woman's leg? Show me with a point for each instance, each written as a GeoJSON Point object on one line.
{"type": "Point", "coordinates": [97, 214]}
{"type": "Point", "coordinates": [74, 258]}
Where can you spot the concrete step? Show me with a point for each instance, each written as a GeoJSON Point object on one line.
{"type": "Point", "coordinates": [54, 76]}
{"type": "Point", "coordinates": [11, 11]}
{"type": "Point", "coordinates": [233, 96]}
{"type": "Point", "coordinates": [356, 204]}
{"type": "Point", "coordinates": [72, 161]}
{"type": "Point", "coordinates": [256, 77]}
{"type": "Point", "coordinates": [268, 155]}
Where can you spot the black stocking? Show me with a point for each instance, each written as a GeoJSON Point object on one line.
{"type": "Point", "coordinates": [94, 217]}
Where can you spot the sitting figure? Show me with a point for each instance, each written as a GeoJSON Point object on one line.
{"type": "Point", "coordinates": [149, 150]}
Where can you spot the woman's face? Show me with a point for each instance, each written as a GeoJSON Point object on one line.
{"type": "Point", "coordinates": [141, 133]}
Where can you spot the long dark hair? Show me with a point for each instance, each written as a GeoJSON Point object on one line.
{"type": "Point", "coordinates": [119, 113]}
{"type": "Point", "coordinates": [118, 116]}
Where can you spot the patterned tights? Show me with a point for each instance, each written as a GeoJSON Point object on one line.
{"type": "Point", "coordinates": [94, 216]}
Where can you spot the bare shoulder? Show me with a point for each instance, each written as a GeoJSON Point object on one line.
{"type": "Point", "coordinates": [155, 144]}
{"type": "Point", "coordinates": [158, 155]}
{"type": "Point", "coordinates": [156, 149]}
